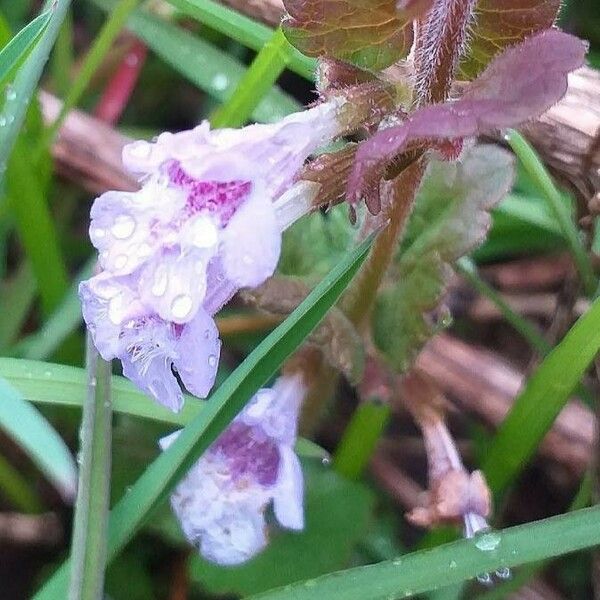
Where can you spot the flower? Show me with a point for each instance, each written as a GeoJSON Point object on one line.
{"type": "Point", "coordinates": [206, 222]}
{"type": "Point", "coordinates": [221, 502]}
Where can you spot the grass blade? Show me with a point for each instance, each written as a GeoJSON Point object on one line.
{"type": "Point", "coordinates": [12, 54]}
{"type": "Point", "coordinates": [28, 428]}
{"type": "Point", "coordinates": [88, 550]}
{"type": "Point", "coordinates": [544, 396]}
{"type": "Point", "coordinates": [160, 477]}
{"type": "Point", "coordinates": [27, 78]}
{"type": "Point", "coordinates": [536, 169]}
{"type": "Point", "coordinates": [428, 570]}
{"type": "Point", "coordinates": [260, 77]}
{"type": "Point", "coordinates": [207, 67]}
{"type": "Point", "coordinates": [242, 29]}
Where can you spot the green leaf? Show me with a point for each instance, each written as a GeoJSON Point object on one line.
{"type": "Point", "coordinates": [337, 517]}
{"type": "Point", "coordinates": [163, 474]}
{"type": "Point", "coordinates": [369, 33]}
{"type": "Point", "coordinates": [28, 428]}
{"type": "Point", "coordinates": [445, 565]}
{"type": "Point", "coordinates": [27, 78]}
{"type": "Point", "coordinates": [451, 216]}
{"type": "Point", "coordinates": [498, 24]}
{"type": "Point", "coordinates": [88, 548]}
{"type": "Point", "coordinates": [537, 406]}
{"type": "Point", "coordinates": [212, 70]}
{"type": "Point", "coordinates": [12, 54]}
{"type": "Point", "coordinates": [242, 29]}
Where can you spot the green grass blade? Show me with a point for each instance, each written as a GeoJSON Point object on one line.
{"type": "Point", "coordinates": [94, 58]}
{"type": "Point", "coordinates": [88, 549]}
{"type": "Point", "coordinates": [14, 52]}
{"type": "Point", "coordinates": [428, 570]}
{"type": "Point", "coordinates": [27, 78]}
{"type": "Point", "coordinates": [544, 396]}
{"type": "Point", "coordinates": [65, 386]}
{"type": "Point", "coordinates": [260, 77]}
{"type": "Point", "coordinates": [242, 29]}
{"type": "Point", "coordinates": [28, 428]}
{"type": "Point", "coordinates": [16, 297]}
{"type": "Point", "coordinates": [536, 169]}
{"type": "Point", "coordinates": [160, 477]}
{"type": "Point", "coordinates": [204, 65]}
{"type": "Point", "coordinates": [64, 320]}
{"type": "Point", "coordinates": [16, 489]}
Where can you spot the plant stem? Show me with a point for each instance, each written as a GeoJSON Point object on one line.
{"type": "Point", "coordinates": [89, 545]}
{"type": "Point", "coordinates": [360, 439]}
{"type": "Point", "coordinates": [359, 299]}
{"type": "Point", "coordinates": [538, 172]}
{"type": "Point", "coordinates": [260, 77]}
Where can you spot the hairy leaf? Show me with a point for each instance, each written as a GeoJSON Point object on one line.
{"type": "Point", "coordinates": [369, 33]}
{"type": "Point", "coordinates": [520, 84]}
{"type": "Point", "coordinates": [502, 23]}
{"type": "Point", "coordinates": [451, 217]}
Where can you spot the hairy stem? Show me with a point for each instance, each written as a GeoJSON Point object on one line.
{"type": "Point", "coordinates": [440, 43]}
{"type": "Point", "coordinates": [361, 295]}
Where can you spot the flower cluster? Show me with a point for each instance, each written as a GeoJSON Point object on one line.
{"type": "Point", "coordinates": [222, 500]}
{"type": "Point", "coordinates": [206, 222]}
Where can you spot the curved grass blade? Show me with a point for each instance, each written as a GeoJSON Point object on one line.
{"type": "Point", "coordinates": [14, 52]}
{"type": "Point", "coordinates": [162, 475]}
{"type": "Point", "coordinates": [204, 65]}
{"type": "Point", "coordinates": [30, 430]}
{"type": "Point", "coordinates": [27, 78]}
{"type": "Point", "coordinates": [242, 29]}
{"type": "Point", "coordinates": [428, 570]}
{"type": "Point", "coordinates": [542, 399]}
{"type": "Point", "coordinates": [88, 550]}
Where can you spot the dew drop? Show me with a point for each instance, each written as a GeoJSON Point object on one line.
{"type": "Point", "coordinates": [485, 578]}
{"type": "Point", "coordinates": [160, 284]}
{"type": "Point", "coordinates": [212, 361]}
{"type": "Point", "coordinates": [503, 573]}
{"type": "Point", "coordinates": [220, 82]}
{"type": "Point", "coordinates": [182, 306]}
{"type": "Point", "coordinates": [487, 541]}
{"type": "Point", "coordinates": [397, 562]}
{"type": "Point", "coordinates": [2, 121]}
{"type": "Point", "coordinates": [120, 261]}
{"type": "Point", "coordinates": [123, 227]}
{"type": "Point", "coordinates": [452, 564]}
{"type": "Point", "coordinates": [97, 233]}
{"type": "Point", "coordinates": [11, 94]}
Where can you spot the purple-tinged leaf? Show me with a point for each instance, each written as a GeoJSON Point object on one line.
{"type": "Point", "coordinates": [369, 33]}
{"type": "Point", "coordinates": [502, 23]}
{"type": "Point", "coordinates": [518, 85]}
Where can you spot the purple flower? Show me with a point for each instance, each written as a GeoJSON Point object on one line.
{"type": "Point", "coordinates": [207, 221]}
{"type": "Point", "coordinates": [222, 500]}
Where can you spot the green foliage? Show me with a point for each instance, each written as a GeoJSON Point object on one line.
{"type": "Point", "coordinates": [163, 474]}
{"type": "Point", "coordinates": [370, 33]}
{"type": "Point", "coordinates": [428, 570]}
{"type": "Point", "coordinates": [542, 399]}
{"type": "Point", "coordinates": [451, 217]}
{"type": "Point", "coordinates": [337, 517]}
{"type": "Point", "coordinates": [30, 430]}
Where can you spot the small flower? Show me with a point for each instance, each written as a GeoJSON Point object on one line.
{"type": "Point", "coordinates": [207, 221]}
{"type": "Point", "coordinates": [222, 500]}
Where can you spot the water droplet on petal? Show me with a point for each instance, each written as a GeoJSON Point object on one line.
{"type": "Point", "coordinates": [212, 361]}
{"type": "Point", "coordinates": [161, 282]}
{"type": "Point", "coordinates": [181, 306]}
{"type": "Point", "coordinates": [123, 227]}
{"type": "Point", "coordinates": [11, 94]}
{"type": "Point", "coordinates": [121, 261]}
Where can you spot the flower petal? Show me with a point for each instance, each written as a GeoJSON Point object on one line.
{"type": "Point", "coordinates": [288, 500]}
{"type": "Point", "coordinates": [198, 350]}
{"type": "Point", "coordinates": [251, 242]}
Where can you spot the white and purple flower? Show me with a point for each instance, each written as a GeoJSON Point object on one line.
{"type": "Point", "coordinates": [207, 221]}
{"type": "Point", "coordinates": [221, 502]}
